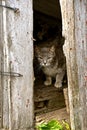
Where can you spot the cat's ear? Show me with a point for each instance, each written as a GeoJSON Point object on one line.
{"type": "Point", "coordinates": [52, 49]}
{"type": "Point", "coordinates": [36, 51]}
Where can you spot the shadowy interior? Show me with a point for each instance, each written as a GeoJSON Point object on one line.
{"type": "Point", "coordinates": [47, 24]}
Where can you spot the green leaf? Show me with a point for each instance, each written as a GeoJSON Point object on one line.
{"type": "Point", "coordinates": [66, 125]}
{"type": "Point", "coordinates": [42, 126]}
{"type": "Point", "coordinates": [54, 125]}
{"type": "Point", "coordinates": [51, 125]}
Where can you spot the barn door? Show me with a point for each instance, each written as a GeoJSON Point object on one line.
{"type": "Point", "coordinates": [74, 18]}
{"type": "Point", "coordinates": [16, 54]}
{"type": "Point", "coordinates": [1, 95]}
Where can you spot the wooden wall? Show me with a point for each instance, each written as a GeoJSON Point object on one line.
{"type": "Point", "coordinates": [0, 66]}
{"type": "Point", "coordinates": [81, 54]}
{"type": "Point", "coordinates": [17, 57]}
{"type": "Point", "coordinates": [74, 18]}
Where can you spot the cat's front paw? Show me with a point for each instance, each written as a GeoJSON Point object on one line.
{"type": "Point", "coordinates": [58, 85]}
{"type": "Point", "coordinates": [47, 83]}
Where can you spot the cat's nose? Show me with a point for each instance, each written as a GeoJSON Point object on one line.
{"type": "Point", "coordinates": [45, 62]}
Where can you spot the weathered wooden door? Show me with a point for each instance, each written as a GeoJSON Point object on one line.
{"type": "Point", "coordinates": [74, 18]}
{"type": "Point", "coordinates": [0, 66]}
{"type": "Point", "coordinates": [16, 65]}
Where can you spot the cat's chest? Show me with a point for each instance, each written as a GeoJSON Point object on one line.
{"type": "Point", "coordinates": [51, 71]}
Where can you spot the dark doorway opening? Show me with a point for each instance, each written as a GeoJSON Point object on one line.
{"type": "Point", "coordinates": [47, 25]}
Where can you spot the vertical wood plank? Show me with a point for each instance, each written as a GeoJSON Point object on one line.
{"type": "Point", "coordinates": [74, 18]}
{"type": "Point", "coordinates": [0, 65]}
{"type": "Point", "coordinates": [20, 28]}
{"type": "Point", "coordinates": [5, 68]}
{"type": "Point", "coordinates": [18, 58]}
{"type": "Point", "coordinates": [81, 49]}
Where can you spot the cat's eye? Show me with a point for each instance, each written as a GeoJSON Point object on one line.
{"type": "Point", "coordinates": [49, 58]}
{"type": "Point", "coordinates": [40, 58]}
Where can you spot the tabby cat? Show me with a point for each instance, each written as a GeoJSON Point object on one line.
{"type": "Point", "coordinates": [52, 61]}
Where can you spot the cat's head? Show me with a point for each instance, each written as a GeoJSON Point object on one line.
{"type": "Point", "coordinates": [45, 55]}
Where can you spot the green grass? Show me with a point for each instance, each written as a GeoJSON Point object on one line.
{"type": "Point", "coordinates": [53, 125]}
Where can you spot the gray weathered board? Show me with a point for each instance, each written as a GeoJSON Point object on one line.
{"type": "Point", "coordinates": [74, 18]}
{"type": "Point", "coordinates": [16, 56]}
{"type": "Point", "coordinates": [0, 66]}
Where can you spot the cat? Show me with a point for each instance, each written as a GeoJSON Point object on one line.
{"type": "Point", "coordinates": [52, 61]}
